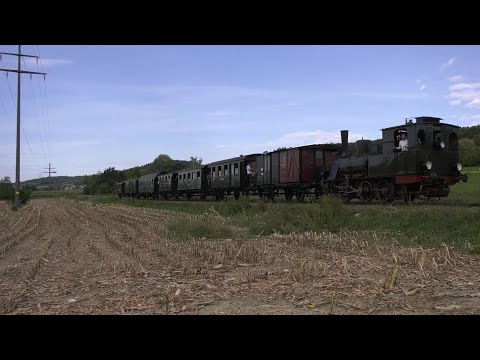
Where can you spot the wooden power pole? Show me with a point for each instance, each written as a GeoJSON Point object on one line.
{"type": "Point", "coordinates": [19, 71]}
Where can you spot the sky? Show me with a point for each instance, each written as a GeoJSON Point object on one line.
{"type": "Point", "coordinates": [122, 106]}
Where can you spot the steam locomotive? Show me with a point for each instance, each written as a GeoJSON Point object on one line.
{"type": "Point", "coordinates": [427, 167]}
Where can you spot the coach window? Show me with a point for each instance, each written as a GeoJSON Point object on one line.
{"type": "Point", "coordinates": [188, 177]}
{"type": "Point", "coordinates": [235, 168]}
{"type": "Point", "coordinates": [198, 174]}
{"type": "Point", "coordinates": [219, 171]}
{"type": "Point", "coordinates": [213, 172]}
{"type": "Point", "coordinates": [453, 141]}
{"type": "Point", "coordinates": [225, 167]}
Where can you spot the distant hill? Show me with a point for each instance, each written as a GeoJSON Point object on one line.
{"type": "Point", "coordinates": [55, 182]}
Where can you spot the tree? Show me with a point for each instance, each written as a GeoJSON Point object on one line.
{"type": "Point", "coordinates": [103, 182]}
{"type": "Point", "coordinates": [133, 173]}
{"type": "Point", "coordinates": [196, 161]}
{"type": "Point", "coordinates": [163, 162]}
{"type": "Point", "coordinates": [469, 152]}
{"type": "Point", "coordinates": [7, 192]}
{"type": "Point", "coordinates": [476, 139]}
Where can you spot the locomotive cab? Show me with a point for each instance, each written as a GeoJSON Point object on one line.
{"type": "Point", "coordinates": [430, 162]}
{"type": "Point", "coordinates": [420, 157]}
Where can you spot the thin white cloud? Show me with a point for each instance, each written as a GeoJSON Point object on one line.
{"type": "Point", "coordinates": [448, 63]}
{"type": "Point", "coordinates": [423, 87]}
{"type": "Point", "coordinates": [474, 103]}
{"type": "Point", "coordinates": [301, 138]}
{"type": "Point", "coordinates": [467, 94]}
{"type": "Point", "coordinates": [456, 78]}
{"type": "Point", "coordinates": [465, 86]}
{"type": "Point", "coordinates": [418, 81]}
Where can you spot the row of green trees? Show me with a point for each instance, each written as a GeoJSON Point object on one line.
{"type": "Point", "coordinates": [7, 191]}
{"type": "Point", "coordinates": [104, 182]}
{"type": "Point", "coordinates": [469, 145]}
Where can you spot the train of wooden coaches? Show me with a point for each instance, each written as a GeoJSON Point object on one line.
{"type": "Point", "coordinates": [427, 168]}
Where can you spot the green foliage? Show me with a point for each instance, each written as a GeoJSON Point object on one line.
{"type": "Point", "coordinates": [7, 191]}
{"type": "Point", "coordinates": [133, 173]}
{"type": "Point", "coordinates": [195, 161]}
{"type": "Point", "coordinates": [416, 224]}
{"type": "Point", "coordinates": [204, 227]}
{"type": "Point", "coordinates": [469, 152]}
{"type": "Point", "coordinates": [468, 192]}
{"type": "Point", "coordinates": [25, 194]}
{"type": "Point", "coordinates": [103, 183]}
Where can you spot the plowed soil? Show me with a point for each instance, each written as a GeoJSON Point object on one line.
{"type": "Point", "coordinates": [66, 257]}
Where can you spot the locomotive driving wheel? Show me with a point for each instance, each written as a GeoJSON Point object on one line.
{"type": "Point", "coordinates": [343, 191]}
{"type": "Point", "coordinates": [384, 191]}
{"type": "Point", "coordinates": [365, 192]}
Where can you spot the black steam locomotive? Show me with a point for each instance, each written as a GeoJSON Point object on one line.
{"type": "Point", "coordinates": [419, 158]}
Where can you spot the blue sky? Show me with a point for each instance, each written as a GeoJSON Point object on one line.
{"type": "Point", "coordinates": [121, 106]}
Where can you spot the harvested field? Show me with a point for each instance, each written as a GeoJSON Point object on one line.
{"type": "Point", "coordinates": [66, 257]}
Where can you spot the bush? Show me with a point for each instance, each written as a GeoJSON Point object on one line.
{"type": "Point", "coordinates": [7, 191]}
{"type": "Point", "coordinates": [25, 194]}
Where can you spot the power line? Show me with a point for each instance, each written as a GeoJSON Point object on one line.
{"type": "Point", "coordinates": [52, 152]}
{"type": "Point", "coordinates": [25, 136]}
{"type": "Point", "coordinates": [19, 72]}
{"type": "Point", "coordinates": [36, 114]}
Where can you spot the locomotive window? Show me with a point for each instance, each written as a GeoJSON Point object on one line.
{"type": "Point", "coordinates": [437, 140]}
{"type": "Point", "coordinates": [225, 167]}
{"type": "Point", "coordinates": [235, 169]}
{"type": "Point", "coordinates": [397, 136]}
{"type": "Point", "coordinates": [452, 141]}
{"type": "Point", "coordinates": [421, 137]}
{"type": "Point", "coordinates": [198, 174]}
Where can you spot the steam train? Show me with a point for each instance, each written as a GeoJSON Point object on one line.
{"type": "Point", "coordinates": [427, 167]}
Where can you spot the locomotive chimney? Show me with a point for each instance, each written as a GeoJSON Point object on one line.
{"type": "Point", "coordinates": [344, 134]}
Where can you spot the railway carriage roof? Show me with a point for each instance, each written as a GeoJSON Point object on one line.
{"type": "Point", "coordinates": [148, 176]}
{"type": "Point", "coordinates": [239, 158]}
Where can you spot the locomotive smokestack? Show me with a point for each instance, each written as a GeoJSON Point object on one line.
{"type": "Point", "coordinates": [344, 134]}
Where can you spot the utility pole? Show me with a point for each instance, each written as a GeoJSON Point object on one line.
{"type": "Point", "coordinates": [19, 71]}
{"type": "Point", "coordinates": [49, 172]}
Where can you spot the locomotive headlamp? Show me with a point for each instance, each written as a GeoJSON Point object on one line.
{"type": "Point", "coordinates": [459, 166]}
{"type": "Point", "coordinates": [428, 164]}
{"type": "Point", "coordinates": [442, 145]}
